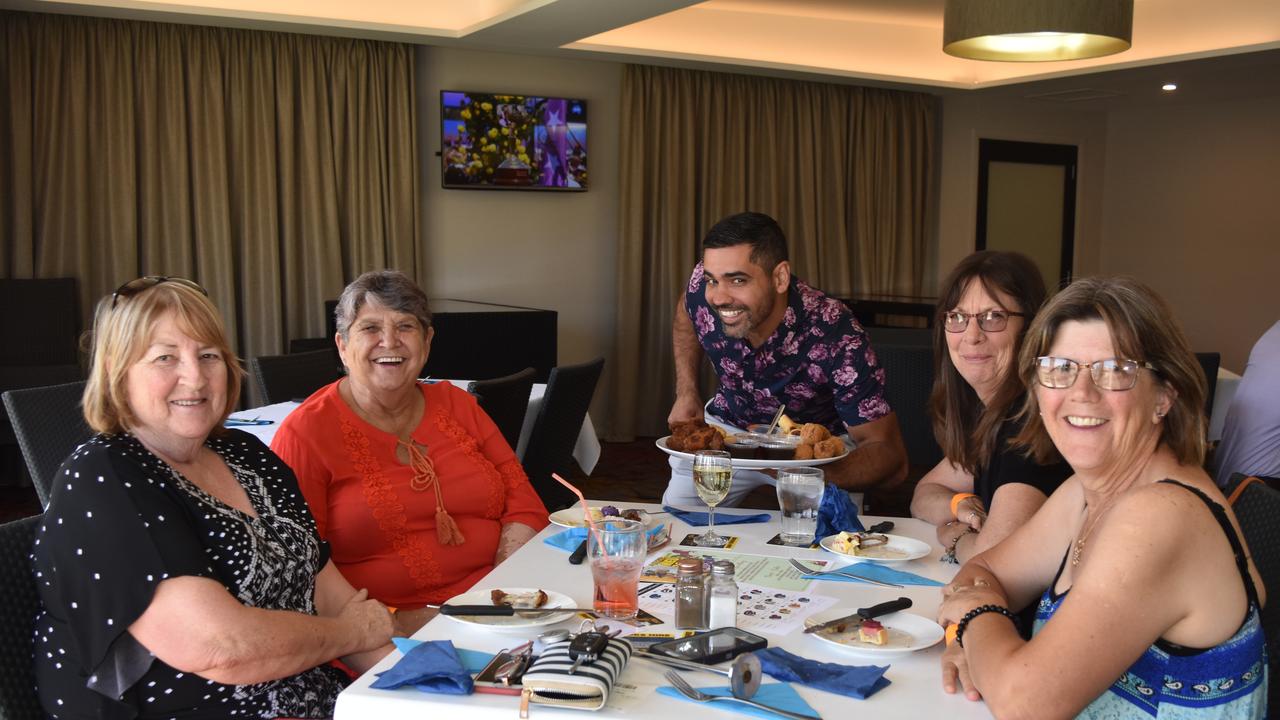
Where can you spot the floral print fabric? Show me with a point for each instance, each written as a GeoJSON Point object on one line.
{"type": "Point", "coordinates": [818, 363]}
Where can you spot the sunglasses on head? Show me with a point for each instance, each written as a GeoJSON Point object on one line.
{"type": "Point", "coordinates": [142, 284]}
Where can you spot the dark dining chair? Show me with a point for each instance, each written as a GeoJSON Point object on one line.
{"type": "Point", "coordinates": [908, 371]}
{"type": "Point", "coordinates": [281, 378]}
{"type": "Point", "coordinates": [49, 424]}
{"type": "Point", "coordinates": [556, 428]}
{"type": "Point", "coordinates": [1209, 362]}
{"type": "Point", "coordinates": [1257, 506]}
{"type": "Point", "coordinates": [18, 595]}
{"type": "Point", "coordinates": [506, 401]}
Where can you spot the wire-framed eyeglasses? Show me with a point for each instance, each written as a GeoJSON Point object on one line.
{"type": "Point", "coordinates": [955, 321]}
{"type": "Point", "coordinates": [1115, 374]}
{"type": "Point", "coordinates": [142, 284]}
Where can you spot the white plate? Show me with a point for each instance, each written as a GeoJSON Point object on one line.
{"type": "Point", "coordinates": [908, 632]}
{"type": "Point", "coordinates": [513, 623]}
{"type": "Point", "coordinates": [899, 549]}
{"type": "Point", "coordinates": [571, 517]}
{"type": "Point", "coordinates": [742, 463]}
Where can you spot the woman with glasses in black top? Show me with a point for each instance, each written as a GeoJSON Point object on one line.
{"type": "Point", "coordinates": [982, 489]}
{"type": "Point", "coordinates": [1147, 604]}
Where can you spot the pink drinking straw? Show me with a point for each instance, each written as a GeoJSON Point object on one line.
{"type": "Point", "coordinates": [586, 513]}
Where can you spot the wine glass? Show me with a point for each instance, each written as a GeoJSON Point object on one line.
{"type": "Point", "coordinates": [712, 477]}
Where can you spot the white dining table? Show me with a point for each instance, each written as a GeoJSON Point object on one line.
{"type": "Point", "coordinates": [915, 690]}
{"type": "Point", "coordinates": [586, 450]}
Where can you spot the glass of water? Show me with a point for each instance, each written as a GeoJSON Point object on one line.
{"type": "Point", "coordinates": [712, 476]}
{"type": "Point", "coordinates": [799, 497]}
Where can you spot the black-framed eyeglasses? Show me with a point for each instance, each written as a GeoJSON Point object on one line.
{"type": "Point", "coordinates": [1116, 374]}
{"type": "Point", "coordinates": [990, 320]}
{"type": "Point", "coordinates": [135, 286]}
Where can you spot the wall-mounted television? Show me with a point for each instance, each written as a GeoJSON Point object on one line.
{"type": "Point", "coordinates": [513, 142]}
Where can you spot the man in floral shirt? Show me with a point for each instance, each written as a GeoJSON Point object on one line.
{"type": "Point", "coordinates": [773, 340]}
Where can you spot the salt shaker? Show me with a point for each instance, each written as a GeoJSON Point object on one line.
{"type": "Point", "coordinates": [722, 596]}
{"type": "Point", "coordinates": [691, 587]}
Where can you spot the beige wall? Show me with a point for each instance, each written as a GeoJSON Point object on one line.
{"type": "Point", "coordinates": [966, 118]}
{"type": "Point", "coordinates": [1183, 196]}
{"type": "Point", "coordinates": [1194, 210]}
{"type": "Point", "coordinates": [549, 250]}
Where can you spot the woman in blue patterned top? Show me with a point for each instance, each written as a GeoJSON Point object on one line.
{"type": "Point", "coordinates": [1148, 603]}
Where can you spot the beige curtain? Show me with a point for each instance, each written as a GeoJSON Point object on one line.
{"type": "Point", "coordinates": [269, 167]}
{"type": "Point", "coordinates": [845, 170]}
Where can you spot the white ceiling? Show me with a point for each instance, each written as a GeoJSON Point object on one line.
{"type": "Point", "coordinates": [888, 42]}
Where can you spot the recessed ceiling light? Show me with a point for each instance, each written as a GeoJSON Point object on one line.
{"type": "Point", "coordinates": [1169, 87]}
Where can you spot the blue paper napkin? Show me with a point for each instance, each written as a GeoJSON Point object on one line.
{"type": "Point", "coordinates": [858, 681]}
{"type": "Point", "coordinates": [779, 695]}
{"type": "Point", "coordinates": [473, 660]}
{"type": "Point", "coordinates": [875, 571]}
{"type": "Point", "coordinates": [698, 519]}
{"type": "Point", "coordinates": [433, 667]}
{"type": "Point", "coordinates": [570, 539]}
{"type": "Point", "coordinates": [836, 514]}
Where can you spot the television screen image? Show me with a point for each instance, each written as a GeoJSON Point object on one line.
{"type": "Point", "coordinates": [513, 142]}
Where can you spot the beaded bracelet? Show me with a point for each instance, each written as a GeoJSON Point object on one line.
{"type": "Point", "coordinates": [949, 553]}
{"type": "Point", "coordinates": [981, 609]}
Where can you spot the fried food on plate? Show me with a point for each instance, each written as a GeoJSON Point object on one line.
{"type": "Point", "coordinates": [535, 599]}
{"type": "Point", "coordinates": [695, 435]}
{"type": "Point", "coordinates": [813, 433]}
{"type": "Point", "coordinates": [829, 448]}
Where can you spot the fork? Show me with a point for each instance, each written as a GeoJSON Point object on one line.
{"type": "Point", "coordinates": [689, 691]}
{"type": "Point", "coordinates": [840, 571]}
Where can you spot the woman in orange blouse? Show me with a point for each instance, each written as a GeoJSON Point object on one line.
{"type": "Point", "coordinates": [412, 484]}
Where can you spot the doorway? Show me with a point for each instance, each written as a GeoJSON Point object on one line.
{"type": "Point", "coordinates": [1027, 203]}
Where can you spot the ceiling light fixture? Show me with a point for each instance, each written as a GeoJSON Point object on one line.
{"type": "Point", "coordinates": [1036, 30]}
{"type": "Point", "coordinates": [1169, 87]}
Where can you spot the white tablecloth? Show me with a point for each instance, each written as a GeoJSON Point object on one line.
{"type": "Point", "coordinates": [586, 451]}
{"type": "Point", "coordinates": [915, 692]}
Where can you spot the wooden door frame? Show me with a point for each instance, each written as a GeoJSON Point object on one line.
{"type": "Point", "coordinates": [1014, 151]}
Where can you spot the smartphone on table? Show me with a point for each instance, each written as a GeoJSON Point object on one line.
{"type": "Point", "coordinates": [711, 647]}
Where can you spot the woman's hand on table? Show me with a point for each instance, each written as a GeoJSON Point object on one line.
{"type": "Point", "coordinates": [370, 619]}
{"type": "Point", "coordinates": [971, 512]}
{"type": "Point", "coordinates": [950, 532]}
{"type": "Point", "coordinates": [513, 536]}
{"type": "Point", "coordinates": [955, 672]}
{"type": "Point", "coordinates": [408, 622]}
{"type": "Point", "coordinates": [959, 598]}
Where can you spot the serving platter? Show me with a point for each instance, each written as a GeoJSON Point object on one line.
{"type": "Point", "coordinates": [755, 463]}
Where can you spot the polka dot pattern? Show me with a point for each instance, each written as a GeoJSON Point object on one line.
{"type": "Point", "coordinates": [120, 522]}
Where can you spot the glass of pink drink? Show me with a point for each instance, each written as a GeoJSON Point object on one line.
{"type": "Point", "coordinates": [616, 552]}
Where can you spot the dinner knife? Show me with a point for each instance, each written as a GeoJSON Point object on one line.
{"type": "Point", "coordinates": [863, 614]}
{"type": "Point", "coordinates": [579, 554]}
{"type": "Point", "coordinates": [506, 610]}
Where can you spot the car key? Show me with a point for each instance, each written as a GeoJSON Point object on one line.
{"type": "Point", "coordinates": [882, 527]}
{"type": "Point", "coordinates": [587, 647]}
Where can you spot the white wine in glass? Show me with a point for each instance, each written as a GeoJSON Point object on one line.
{"type": "Point", "coordinates": [712, 478]}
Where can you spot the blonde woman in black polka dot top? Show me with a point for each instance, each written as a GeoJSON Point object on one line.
{"type": "Point", "coordinates": [179, 569]}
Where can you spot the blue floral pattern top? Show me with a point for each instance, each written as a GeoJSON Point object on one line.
{"type": "Point", "coordinates": [817, 362]}
{"type": "Point", "coordinates": [1169, 682]}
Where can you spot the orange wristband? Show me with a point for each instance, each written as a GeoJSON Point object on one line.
{"type": "Point", "coordinates": [957, 499]}
{"type": "Point", "coordinates": [951, 633]}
